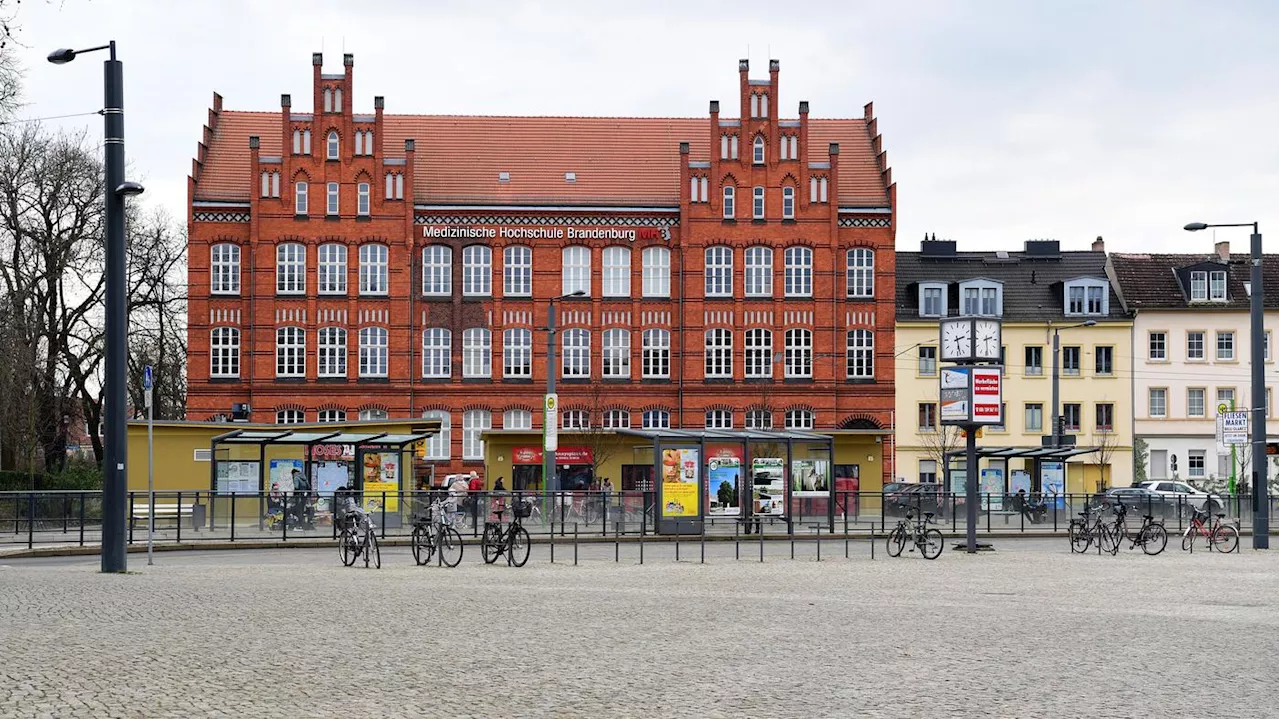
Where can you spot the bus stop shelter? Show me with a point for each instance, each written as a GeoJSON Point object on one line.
{"type": "Point", "coordinates": [1039, 455]}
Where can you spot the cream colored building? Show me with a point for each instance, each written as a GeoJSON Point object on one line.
{"type": "Point", "coordinates": [1192, 336]}
{"type": "Point", "coordinates": [1034, 292]}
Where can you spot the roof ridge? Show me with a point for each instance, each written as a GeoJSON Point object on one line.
{"type": "Point", "coordinates": [387, 115]}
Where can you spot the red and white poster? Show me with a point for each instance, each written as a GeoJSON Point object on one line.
{"type": "Point", "coordinates": [986, 395]}
{"type": "Point", "coordinates": [564, 455]}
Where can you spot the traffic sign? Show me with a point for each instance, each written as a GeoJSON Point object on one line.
{"type": "Point", "coordinates": [550, 423]}
{"type": "Point", "coordinates": [1235, 428]}
{"type": "Point", "coordinates": [146, 377]}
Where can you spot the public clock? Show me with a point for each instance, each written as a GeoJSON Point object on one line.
{"type": "Point", "coordinates": [986, 340]}
{"type": "Point", "coordinates": [956, 339]}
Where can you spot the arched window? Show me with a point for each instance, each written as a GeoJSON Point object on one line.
{"type": "Point", "coordinates": [517, 419]}
{"type": "Point", "coordinates": [764, 106]}
{"type": "Point", "coordinates": [224, 352]}
{"type": "Point", "coordinates": [362, 199]}
{"type": "Point", "coordinates": [332, 273]}
{"type": "Point", "coordinates": [577, 354]}
{"type": "Point", "coordinates": [719, 354]}
{"type": "Point", "coordinates": [373, 269]}
{"type": "Point", "coordinates": [656, 354]}
{"type": "Point", "coordinates": [656, 419]}
{"type": "Point", "coordinates": [860, 272]}
{"type": "Point", "coordinates": [373, 352]}
{"type": "Point", "coordinates": [575, 270]}
{"type": "Point", "coordinates": [437, 270]}
{"type": "Point", "coordinates": [328, 100]}
{"type": "Point", "coordinates": [788, 203]}
{"type": "Point", "coordinates": [332, 145]}
{"type": "Point", "coordinates": [291, 352]}
{"type": "Point", "coordinates": [331, 358]}
{"type": "Point", "coordinates": [224, 269]}
{"type": "Point", "coordinates": [372, 413]}
{"type": "Point", "coordinates": [297, 141]}
{"type": "Point", "coordinates": [300, 198]}
{"type": "Point", "coordinates": [477, 353]}
{"type": "Point", "coordinates": [617, 272]}
{"type": "Point", "coordinates": [728, 202]}
{"type": "Point", "coordinates": [291, 268]}
{"type": "Point", "coordinates": [656, 272]}
{"type": "Point", "coordinates": [799, 419]}
{"type": "Point", "coordinates": [759, 353]}
{"type": "Point", "coordinates": [438, 444]}
{"type": "Point", "coordinates": [860, 354]}
{"type": "Point", "coordinates": [359, 150]}
{"type": "Point", "coordinates": [718, 272]}
{"type": "Point", "coordinates": [755, 105]}
{"type": "Point", "coordinates": [337, 100]}
{"type": "Point", "coordinates": [616, 355]}
{"type": "Point", "coordinates": [517, 353]}
{"type": "Point", "coordinates": [517, 271]}
{"type": "Point", "coordinates": [719, 419]}
{"type": "Point", "coordinates": [437, 348]}
{"type": "Point", "coordinates": [477, 271]}
{"type": "Point", "coordinates": [759, 271]}
{"type": "Point", "coordinates": [616, 419]}
{"type": "Point", "coordinates": [289, 416]}
{"type": "Point", "coordinates": [799, 353]}
{"type": "Point", "coordinates": [757, 150]}
{"type": "Point", "coordinates": [758, 419]}
{"type": "Point", "coordinates": [798, 272]}
{"type": "Point", "coordinates": [332, 415]}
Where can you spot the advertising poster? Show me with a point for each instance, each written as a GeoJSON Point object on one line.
{"type": "Point", "coordinates": [381, 473]}
{"type": "Point", "coordinates": [1020, 480]}
{"type": "Point", "coordinates": [680, 483]}
{"type": "Point", "coordinates": [809, 478]}
{"type": "Point", "coordinates": [953, 394]}
{"type": "Point", "coordinates": [768, 486]}
{"type": "Point", "coordinates": [724, 478]}
{"type": "Point", "coordinates": [958, 478]}
{"type": "Point", "coordinates": [1053, 483]}
{"type": "Point", "coordinates": [281, 476]}
{"type": "Point", "coordinates": [986, 395]}
{"type": "Point", "coordinates": [237, 478]}
{"type": "Point", "coordinates": [991, 488]}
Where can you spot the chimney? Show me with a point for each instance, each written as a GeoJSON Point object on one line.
{"type": "Point", "coordinates": [1224, 251]}
{"type": "Point", "coordinates": [744, 91]}
{"type": "Point", "coordinates": [1099, 245]}
{"type": "Point", "coordinates": [317, 66]}
{"type": "Point", "coordinates": [378, 104]}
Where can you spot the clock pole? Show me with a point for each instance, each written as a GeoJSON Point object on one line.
{"type": "Point", "coordinates": [971, 487]}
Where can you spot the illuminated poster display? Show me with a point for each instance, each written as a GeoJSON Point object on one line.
{"type": "Point", "coordinates": [680, 477]}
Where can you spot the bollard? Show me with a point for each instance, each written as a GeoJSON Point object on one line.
{"type": "Point", "coordinates": [131, 517]}
{"type": "Point", "coordinates": [553, 545]}
{"type": "Point", "coordinates": [818, 532]}
{"type": "Point", "coordinates": [383, 529]}
{"type": "Point", "coordinates": [177, 521]}
{"type": "Point", "coordinates": [677, 540]}
{"type": "Point", "coordinates": [792, 536]}
{"type": "Point", "coordinates": [642, 547]}
{"type": "Point", "coordinates": [575, 544]}
{"type": "Point", "coordinates": [735, 540]}
{"type": "Point", "coordinates": [761, 543]}
{"type": "Point", "coordinates": [82, 497]}
{"type": "Point", "coordinates": [871, 532]}
{"type": "Point", "coordinates": [617, 530]}
{"type": "Point", "coordinates": [233, 518]}
{"type": "Point", "coordinates": [31, 519]}
{"type": "Point", "coordinates": [702, 545]}
{"type": "Point", "coordinates": [284, 518]}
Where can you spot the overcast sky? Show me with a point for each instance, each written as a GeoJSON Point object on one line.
{"type": "Point", "coordinates": [1004, 120]}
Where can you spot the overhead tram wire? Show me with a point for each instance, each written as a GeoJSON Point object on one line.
{"type": "Point", "coordinates": [50, 117]}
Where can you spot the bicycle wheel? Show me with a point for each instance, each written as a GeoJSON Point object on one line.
{"type": "Point", "coordinates": [347, 548]}
{"type": "Point", "coordinates": [1153, 539]}
{"type": "Point", "coordinates": [517, 547]}
{"type": "Point", "coordinates": [374, 550]}
{"type": "Point", "coordinates": [450, 546]}
{"type": "Point", "coordinates": [423, 547]}
{"type": "Point", "coordinates": [931, 547]}
{"type": "Point", "coordinates": [1188, 539]}
{"type": "Point", "coordinates": [1225, 538]}
{"type": "Point", "coordinates": [491, 544]}
{"type": "Point", "coordinates": [896, 541]}
{"type": "Point", "coordinates": [1110, 539]}
{"type": "Point", "coordinates": [592, 514]}
{"type": "Point", "coordinates": [1080, 537]}
{"type": "Point", "coordinates": [367, 546]}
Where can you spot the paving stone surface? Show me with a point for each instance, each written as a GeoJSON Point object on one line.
{"type": "Point", "coordinates": [1029, 631]}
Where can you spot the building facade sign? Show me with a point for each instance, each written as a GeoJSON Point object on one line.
{"type": "Point", "coordinates": [567, 232]}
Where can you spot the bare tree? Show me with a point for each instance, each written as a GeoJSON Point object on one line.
{"type": "Point", "coordinates": [1106, 443]}
{"type": "Point", "coordinates": [938, 445]}
{"type": "Point", "coordinates": [157, 312]}
{"type": "Point", "coordinates": [602, 442]}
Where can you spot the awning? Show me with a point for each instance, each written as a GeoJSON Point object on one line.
{"type": "Point", "coordinates": [1050, 453]}
{"type": "Point", "coordinates": [726, 435]}
{"type": "Point", "coordinates": [287, 438]}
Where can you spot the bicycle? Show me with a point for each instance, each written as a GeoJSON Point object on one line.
{"type": "Point", "coordinates": [1151, 536]}
{"type": "Point", "coordinates": [1083, 534]}
{"type": "Point", "coordinates": [513, 539]}
{"type": "Point", "coordinates": [357, 539]}
{"type": "Point", "coordinates": [587, 509]}
{"type": "Point", "coordinates": [928, 540]}
{"type": "Point", "coordinates": [1223, 536]}
{"type": "Point", "coordinates": [435, 532]}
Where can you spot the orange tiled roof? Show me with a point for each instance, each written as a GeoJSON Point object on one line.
{"type": "Point", "coordinates": [618, 160]}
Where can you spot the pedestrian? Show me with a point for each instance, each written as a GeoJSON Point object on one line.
{"type": "Point", "coordinates": [474, 489]}
{"type": "Point", "coordinates": [606, 497]}
{"type": "Point", "coordinates": [303, 510]}
{"type": "Point", "coordinates": [498, 486]}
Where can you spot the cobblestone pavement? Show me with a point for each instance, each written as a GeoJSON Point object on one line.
{"type": "Point", "coordinates": [1029, 631]}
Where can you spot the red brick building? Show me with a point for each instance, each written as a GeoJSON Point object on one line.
{"type": "Point", "coordinates": [738, 271]}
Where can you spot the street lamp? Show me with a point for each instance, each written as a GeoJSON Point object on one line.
{"type": "Point", "coordinates": [114, 478]}
{"type": "Point", "coordinates": [1057, 419]}
{"type": "Point", "coordinates": [1257, 381]}
{"type": "Point", "coordinates": [549, 455]}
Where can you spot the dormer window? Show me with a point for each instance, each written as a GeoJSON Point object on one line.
{"type": "Point", "coordinates": [332, 145]}
{"type": "Point", "coordinates": [1199, 286]}
{"type": "Point", "coordinates": [981, 298]}
{"type": "Point", "coordinates": [1086, 296]}
{"type": "Point", "coordinates": [1217, 286]}
{"type": "Point", "coordinates": [757, 151]}
{"type": "Point", "coordinates": [933, 299]}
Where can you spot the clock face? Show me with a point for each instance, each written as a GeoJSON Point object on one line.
{"type": "Point", "coordinates": [986, 335]}
{"type": "Point", "coordinates": [957, 340]}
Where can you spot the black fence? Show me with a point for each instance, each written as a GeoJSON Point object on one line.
{"type": "Point", "coordinates": [74, 518]}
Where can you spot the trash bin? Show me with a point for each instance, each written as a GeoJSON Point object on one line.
{"type": "Point", "coordinates": [197, 516]}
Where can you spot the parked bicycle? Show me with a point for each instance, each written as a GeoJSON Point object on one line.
{"type": "Point", "coordinates": [929, 540]}
{"type": "Point", "coordinates": [435, 532]}
{"type": "Point", "coordinates": [1222, 536]}
{"type": "Point", "coordinates": [1085, 534]}
{"type": "Point", "coordinates": [511, 539]}
{"type": "Point", "coordinates": [359, 538]}
{"type": "Point", "coordinates": [583, 509]}
{"type": "Point", "coordinates": [1151, 536]}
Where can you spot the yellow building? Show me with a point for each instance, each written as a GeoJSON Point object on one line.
{"type": "Point", "coordinates": [1036, 294]}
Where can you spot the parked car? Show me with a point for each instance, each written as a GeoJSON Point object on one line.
{"type": "Point", "coordinates": [1182, 495]}
{"type": "Point", "coordinates": [1139, 501]}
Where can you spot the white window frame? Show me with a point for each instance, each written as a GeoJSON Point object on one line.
{"type": "Point", "coordinates": [1199, 286]}
{"type": "Point", "coordinates": [615, 419]}
{"type": "Point", "coordinates": [1039, 417]}
{"type": "Point", "coordinates": [331, 269]}
{"type": "Point", "coordinates": [1152, 394]}
{"type": "Point", "coordinates": [517, 353]}
{"type": "Point", "coordinates": [1192, 354]}
{"type": "Point", "coordinates": [300, 198]}
{"type": "Point", "coordinates": [1192, 393]}
{"type": "Point", "coordinates": [1230, 346]}
{"type": "Point", "coordinates": [860, 354]}
{"type": "Point", "coordinates": [757, 150]}
{"type": "Point", "coordinates": [373, 269]}
{"type": "Point", "coordinates": [1088, 290]}
{"type": "Point", "coordinates": [575, 345]}
{"type": "Point", "coordinates": [615, 355]}
{"type": "Point", "coordinates": [758, 419]}
{"type": "Point", "coordinates": [437, 271]}
{"type": "Point", "coordinates": [297, 141]}
{"type": "Point", "coordinates": [799, 419]}
{"type": "Point", "coordinates": [291, 352]}
{"type": "Point", "coordinates": [517, 271]}
{"type": "Point", "coordinates": [575, 419]}
{"type": "Point", "coordinates": [290, 416]}
{"type": "Point", "coordinates": [332, 145]}
{"type": "Point", "coordinates": [477, 353]}
{"type": "Point", "coordinates": [1218, 286]}
{"type": "Point", "coordinates": [224, 352]}
{"type": "Point", "coordinates": [655, 272]}
{"type": "Point", "coordinates": [362, 199]}
{"type": "Point", "coordinates": [332, 199]}
{"type": "Point", "coordinates": [291, 268]}
{"type": "Point", "coordinates": [822, 189]}
{"type": "Point", "coordinates": [724, 146]}
{"type": "Point", "coordinates": [390, 192]}
{"type": "Point", "coordinates": [925, 289]}
{"type": "Point", "coordinates": [306, 141]}
{"type": "Point", "coordinates": [718, 353]}
{"type": "Point", "coordinates": [474, 422]}
{"type": "Point", "coordinates": [575, 270]}
{"type": "Point", "coordinates": [1152, 354]}
{"type": "Point", "coordinates": [517, 419]}
{"type": "Point", "coordinates": [331, 415]}
{"type": "Point", "coordinates": [798, 271]}
{"type": "Point", "coordinates": [224, 269]}
{"type": "Point", "coordinates": [757, 203]}
{"type": "Point", "coordinates": [718, 271]}
{"type": "Point", "coordinates": [331, 352]}
{"type": "Point", "coordinates": [703, 185]}
{"type": "Point", "coordinates": [927, 361]}
{"type": "Point", "coordinates": [729, 194]}
{"type": "Point", "coordinates": [437, 353]}
{"type": "Point", "coordinates": [788, 203]}
{"type": "Point", "coordinates": [718, 419]}
{"type": "Point", "coordinates": [860, 274]}
{"type": "Point", "coordinates": [359, 149]}
{"type": "Point", "coordinates": [477, 271]}
{"type": "Point", "coordinates": [655, 419]}
{"type": "Point", "coordinates": [372, 413]}
{"type": "Point", "coordinates": [758, 353]}
{"type": "Point", "coordinates": [758, 274]}
{"type": "Point", "coordinates": [982, 292]}
{"type": "Point", "coordinates": [616, 272]}
{"type": "Point", "coordinates": [798, 353]}
{"type": "Point", "coordinates": [373, 352]}
{"type": "Point", "coordinates": [655, 354]}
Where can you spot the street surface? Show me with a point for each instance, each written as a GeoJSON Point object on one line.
{"type": "Point", "coordinates": [1028, 631]}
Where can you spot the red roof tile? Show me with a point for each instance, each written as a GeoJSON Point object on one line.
{"type": "Point", "coordinates": [618, 161]}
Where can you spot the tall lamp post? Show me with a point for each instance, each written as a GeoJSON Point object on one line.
{"type": "Point", "coordinates": [114, 478]}
{"type": "Point", "coordinates": [1057, 407]}
{"type": "Point", "coordinates": [1257, 382]}
{"type": "Point", "coordinates": [549, 455]}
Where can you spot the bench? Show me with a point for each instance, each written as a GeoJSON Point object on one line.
{"type": "Point", "coordinates": [174, 511]}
